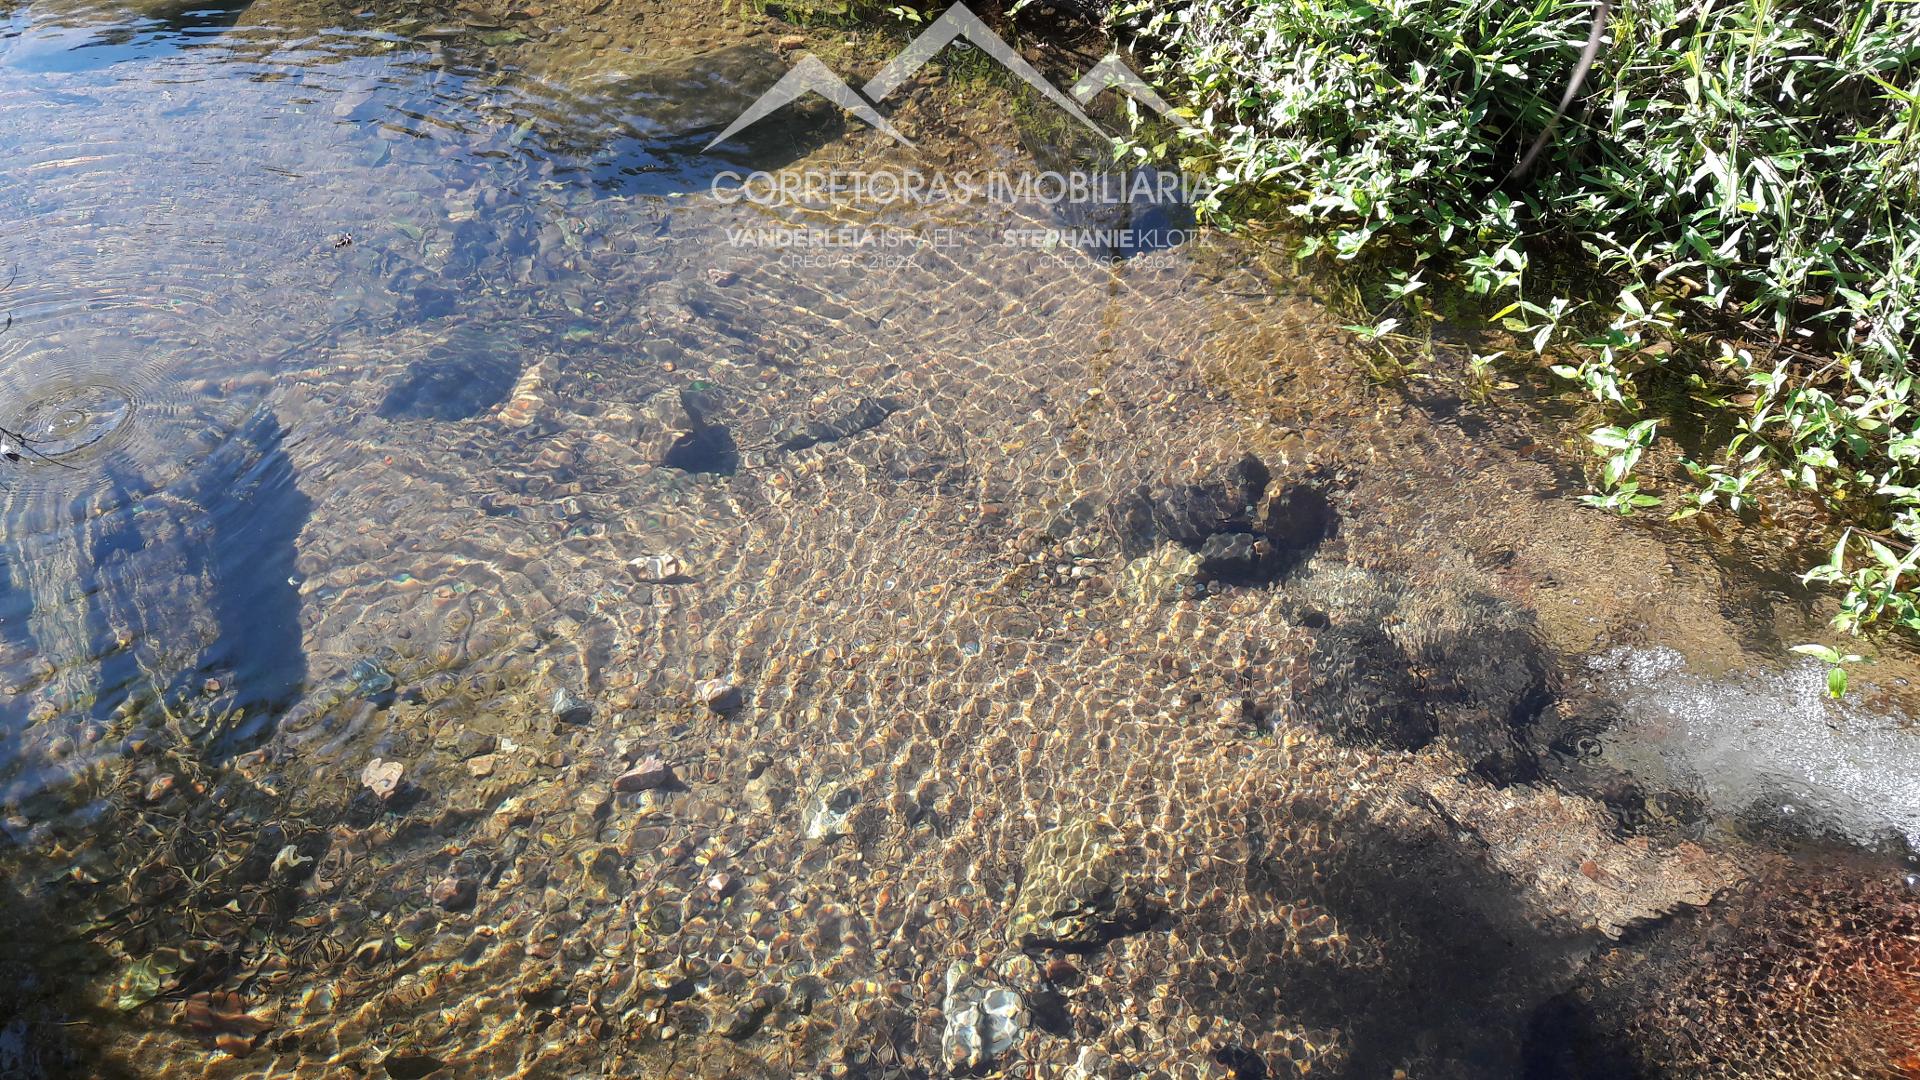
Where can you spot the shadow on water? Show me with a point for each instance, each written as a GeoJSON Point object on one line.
{"type": "Point", "coordinates": [1565, 1041]}
{"type": "Point", "coordinates": [236, 520]}
{"type": "Point", "coordinates": [1461, 966]}
{"type": "Point", "coordinates": [15, 606]}
{"type": "Point", "coordinates": [178, 600]}
{"type": "Point", "coordinates": [457, 381]}
{"type": "Point", "coordinates": [257, 514]}
{"type": "Point", "coordinates": [41, 1034]}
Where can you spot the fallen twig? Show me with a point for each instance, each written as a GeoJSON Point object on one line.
{"type": "Point", "coordinates": [15, 446]}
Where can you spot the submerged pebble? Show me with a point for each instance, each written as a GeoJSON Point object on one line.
{"type": "Point", "coordinates": [570, 708]}
{"type": "Point", "coordinates": [826, 815]}
{"type": "Point", "coordinates": [719, 695]}
{"type": "Point", "coordinates": [382, 777]}
{"type": "Point", "coordinates": [1079, 888]}
{"type": "Point", "coordinates": [649, 774]}
{"type": "Point", "coordinates": [983, 1019]}
{"type": "Point", "coordinates": [453, 893]}
{"type": "Point", "coordinates": [289, 859]}
{"type": "Point", "coordinates": [160, 787]}
{"type": "Point", "coordinates": [1169, 573]}
{"type": "Point", "coordinates": [370, 679]}
{"type": "Point", "coordinates": [657, 568]}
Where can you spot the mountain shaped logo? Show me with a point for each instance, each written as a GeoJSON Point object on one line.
{"type": "Point", "coordinates": [811, 76]}
{"type": "Point", "coordinates": [1112, 73]}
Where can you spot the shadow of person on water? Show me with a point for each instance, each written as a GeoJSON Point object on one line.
{"type": "Point", "coordinates": [44, 1034]}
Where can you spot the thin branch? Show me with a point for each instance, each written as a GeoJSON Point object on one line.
{"type": "Point", "coordinates": [25, 445]}
{"type": "Point", "coordinates": [1574, 83]}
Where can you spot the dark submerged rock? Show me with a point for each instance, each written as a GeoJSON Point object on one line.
{"type": "Point", "coordinates": [1391, 667]}
{"type": "Point", "coordinates": [677, 425]}
{"type": "Point", "coordinates": [1245, 532]}
{"type": "Point", "coordinates": [570, 708]}
{"type": "Point", "coordinates": [1296, 521]}
{"type": "Point", "coordinates": [451, 385]}
{"type": "Point", "coordinates": [745, 1019]}
{"type": "Point", "coordinates": [369, 679]}
{"type": "Point", "coordinates": [1240, 1062]}
{"type": "Point", "coordinates": [1136, 212]}
{"type": "Point", "coordinates": [402, 1065]}
{"type": "Point", "coordinates": [706, 449]}
{"type": "Point", "coordinates": [1232, 556]}
{"type": "Point", "coordinates": [1189, 513]}
{"type": "Point", "coordinates": [649, 774]}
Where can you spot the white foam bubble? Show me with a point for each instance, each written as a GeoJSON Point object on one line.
{"type": "Point", "coordinates": [1772, 740]}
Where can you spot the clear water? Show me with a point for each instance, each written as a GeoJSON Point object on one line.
{"type": "Point", "coordinates": [418, 439]}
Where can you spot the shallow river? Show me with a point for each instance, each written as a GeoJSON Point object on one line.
{"type": "Point", "coordinates": [492, 583]}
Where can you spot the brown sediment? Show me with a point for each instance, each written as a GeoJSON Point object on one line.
{"type": "Point", "coordinates": [1812, 970]}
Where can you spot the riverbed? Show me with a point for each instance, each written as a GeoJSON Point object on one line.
{"type": "Point", "coordinates": [497, 583]}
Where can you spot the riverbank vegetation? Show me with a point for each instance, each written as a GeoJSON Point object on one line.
{"type": "Point", "coordinates": [1719, 246]}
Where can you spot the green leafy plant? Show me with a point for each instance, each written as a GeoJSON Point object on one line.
{"type": "Point", "coordinates": [1622, 448]}
{"type": "Point", "coordinates": [1878, 587]}
{"type": "Point", "coordinates": [1744, 174]}
{"type": "Point", "coordinates": [1836, 662]}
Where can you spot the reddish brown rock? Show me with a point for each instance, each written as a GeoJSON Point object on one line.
{"type": "Point", "coordinates": [651, 773]}
{"type": "Point", "coordinates": [453, 893]}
